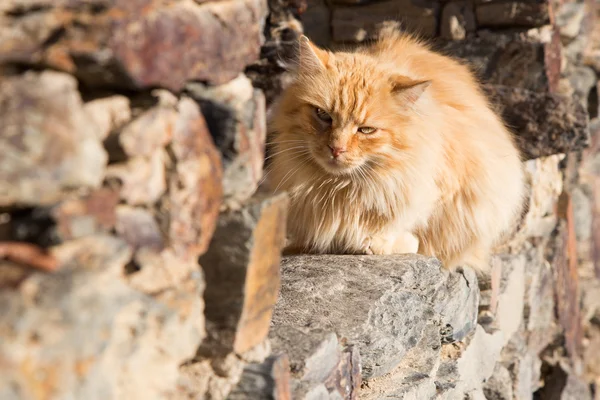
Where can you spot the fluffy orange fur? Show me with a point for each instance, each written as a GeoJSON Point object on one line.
{"type": "Point", "coordinates": [393, 148]}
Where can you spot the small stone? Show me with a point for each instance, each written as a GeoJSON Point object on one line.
{"type": "Point", "coordinates": [499, 386]}
{"type": "Point", "coordinates": [458, 20]}
{"type": "Point", "coordinates": [268, 380]}
{"type": "Point", "coordinates": [242, 268]}
{"type": "Point", "coordinates": [92, 214]}
{"type": "Point", "coordinates": [142, 180]}
{"type": "Point", "coordinates": [569, 19]}
{"type": "Point", "coordinates": [362, 22]}
{"type": "Point", "coordinates": [235, 115]}
{"type": "Point", "coordinates": [50, 145]}
{"type": "Point", "coordinates": [149, 132]}
{"type": "Point", "coordinates": [108, 113]}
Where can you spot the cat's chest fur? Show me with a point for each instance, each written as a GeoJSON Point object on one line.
{"type": "Point", "coordinates": [338, 213]}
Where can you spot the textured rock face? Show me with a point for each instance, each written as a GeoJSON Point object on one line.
{"type": "Point", "coordinates": [84, 332]}
{"type": "Point", "coordinates": [544, 123]}
{"type": "Point", "coordinates": [235, 114]}
{"type": "Point", "coordinates": [390, 303]}
{"type": "Point", "coordinates": [50, 144]}
{"type": "Point", "coordinates": [107, 42]}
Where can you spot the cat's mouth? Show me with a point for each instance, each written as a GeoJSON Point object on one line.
{"type": "Point", "coordinates": [336, 166]}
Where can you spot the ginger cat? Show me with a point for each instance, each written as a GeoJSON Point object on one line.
{"type": "Point", "coordinates": [393, 149]}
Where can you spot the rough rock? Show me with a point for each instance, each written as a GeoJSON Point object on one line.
{"type": "Point", "coordinates": [513, 14]}
{"type": "Point", "coordinates": [193, 182]}
{"type": "Point", "coordinates": [544, 123]}
{"type": "Point", "coordinates": [569, 19]}
{"type": "Point", "coordinates": [108, 113]}
{"type": "Point", "coordinates": [529, 60]}
{"type": "Point", "coordinates": [362, 22]}
{"type": "Point", "coordinates": [82, 332]}
{"type": "Point", "coordinates": [267, 380]}
{"type": "Point", "coordinates": [141, 180]}
{"type": "Point", "coordinates": [390, 303]}
{"type": "Point", "coordinates": [242, 268]}
{"type": "Point", "coordinates": [111, 43]}
{"type": "Point", "coordinates": [235, 115]}
{"type": "Point", "coordinates": [50, 145]}
{"type": "Point", "coordinates": [316, 359]}
{"type": "Point", "coordinates": [566, 280]}
{"type": "Point", "coordinates": [499, 386]}
{"type": "Point", "coordinates": [458, 20]}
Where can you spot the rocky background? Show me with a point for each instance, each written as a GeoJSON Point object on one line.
{"type": "Point", "coordinates": [140, 257]}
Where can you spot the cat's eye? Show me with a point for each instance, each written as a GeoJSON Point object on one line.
{"type": "Point", "coordinates": [366, 130]}
{"type": "Point", "coordinates": [323, 115]}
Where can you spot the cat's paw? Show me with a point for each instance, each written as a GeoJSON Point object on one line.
{"type": "Point", "coordinates": [406, 243]}
{"type": "Point", "coordinates": [366, 247]}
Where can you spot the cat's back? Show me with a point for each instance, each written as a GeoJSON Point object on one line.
{"type": "Point", "coordinates": [453, 83]}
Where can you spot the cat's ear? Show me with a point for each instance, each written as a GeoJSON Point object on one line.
{"type": "Point", "coordinates": [409, 90]}
{"type": "Point", "coordinates": [311, 59]}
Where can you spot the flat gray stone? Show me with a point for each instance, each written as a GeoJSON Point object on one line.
{"type": "Point", "coordinates": [386, 305]}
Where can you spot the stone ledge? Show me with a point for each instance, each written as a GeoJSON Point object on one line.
{"type": "Point", "coordinates": [396, 310]}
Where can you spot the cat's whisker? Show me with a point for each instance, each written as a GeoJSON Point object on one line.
{"type": "Point", "coordinates": [285, 150]}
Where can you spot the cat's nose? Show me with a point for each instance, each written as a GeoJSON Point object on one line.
{"type": "Point", "coordinates": [336, 150]}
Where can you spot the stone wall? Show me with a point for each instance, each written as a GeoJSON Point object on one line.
{"type": "Point", "coordinates": [141, 258]}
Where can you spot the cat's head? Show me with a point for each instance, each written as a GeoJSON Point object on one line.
{"type": "Point", "coordinates": [348, 109]}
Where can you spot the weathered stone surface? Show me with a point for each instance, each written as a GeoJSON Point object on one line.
{"type": "Point", "coordinates": [82, 332]}
{"type": "Point", "coordinates": [268, 380]}
{"type": "Point", "coordinates": [360, 23]}
{"type": "Point", "coordinates": [108, 113]}
{"type": "Point", "coordinates": [569, 19]}
{"type": "Point", "coordinates": [513, 13]}
{"type": "Point", "coordinates": [544, 123]}
{"type": "Point", "coordinates": [50, 146]}
{"type": "Point", "coordinates": [526, 60]}
{"type": "Point", "coordinates": [194, 183]}
{"type": "Point", "coordinates": [388, 303]}
{"type": "Point", "coordinates": [318, 359]}
{"type": "Point", "coordinates": [141, 180]}
{"type": "Point", "coordinates": [242, 266]}
{"type": "Point", "coordinates": [150, 131]}
{"type": "Point", "coordinates": [566, 279]}
{"type": "Point", "coordinates": [235, 115]}
{"type": "Point", "coordinates": [499, 386]}
{"type": "Point", "coordinates": [112, 43]}
{"type": "Point", "coordinates": [458, 20]}
{"type": "Point", "coordinates": [79, 217]}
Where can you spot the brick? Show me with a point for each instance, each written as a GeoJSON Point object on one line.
{"type": "Point", "coordinates": [242, 268]}
{"type": "Point", "coordinates": [114, 44]}
{"type": "Point", "coordinates": [360, 23]}
{"type": "Point", "coordinates": [235, 115]}
{"type": "Point", "coordinates": [513, 13]}
{"type": "Point", "coordinates": [50, 144]}
{"type": "Point", "coordinates": [544, 123]}
{"type": "Point", "coordinates": [529, 62]}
